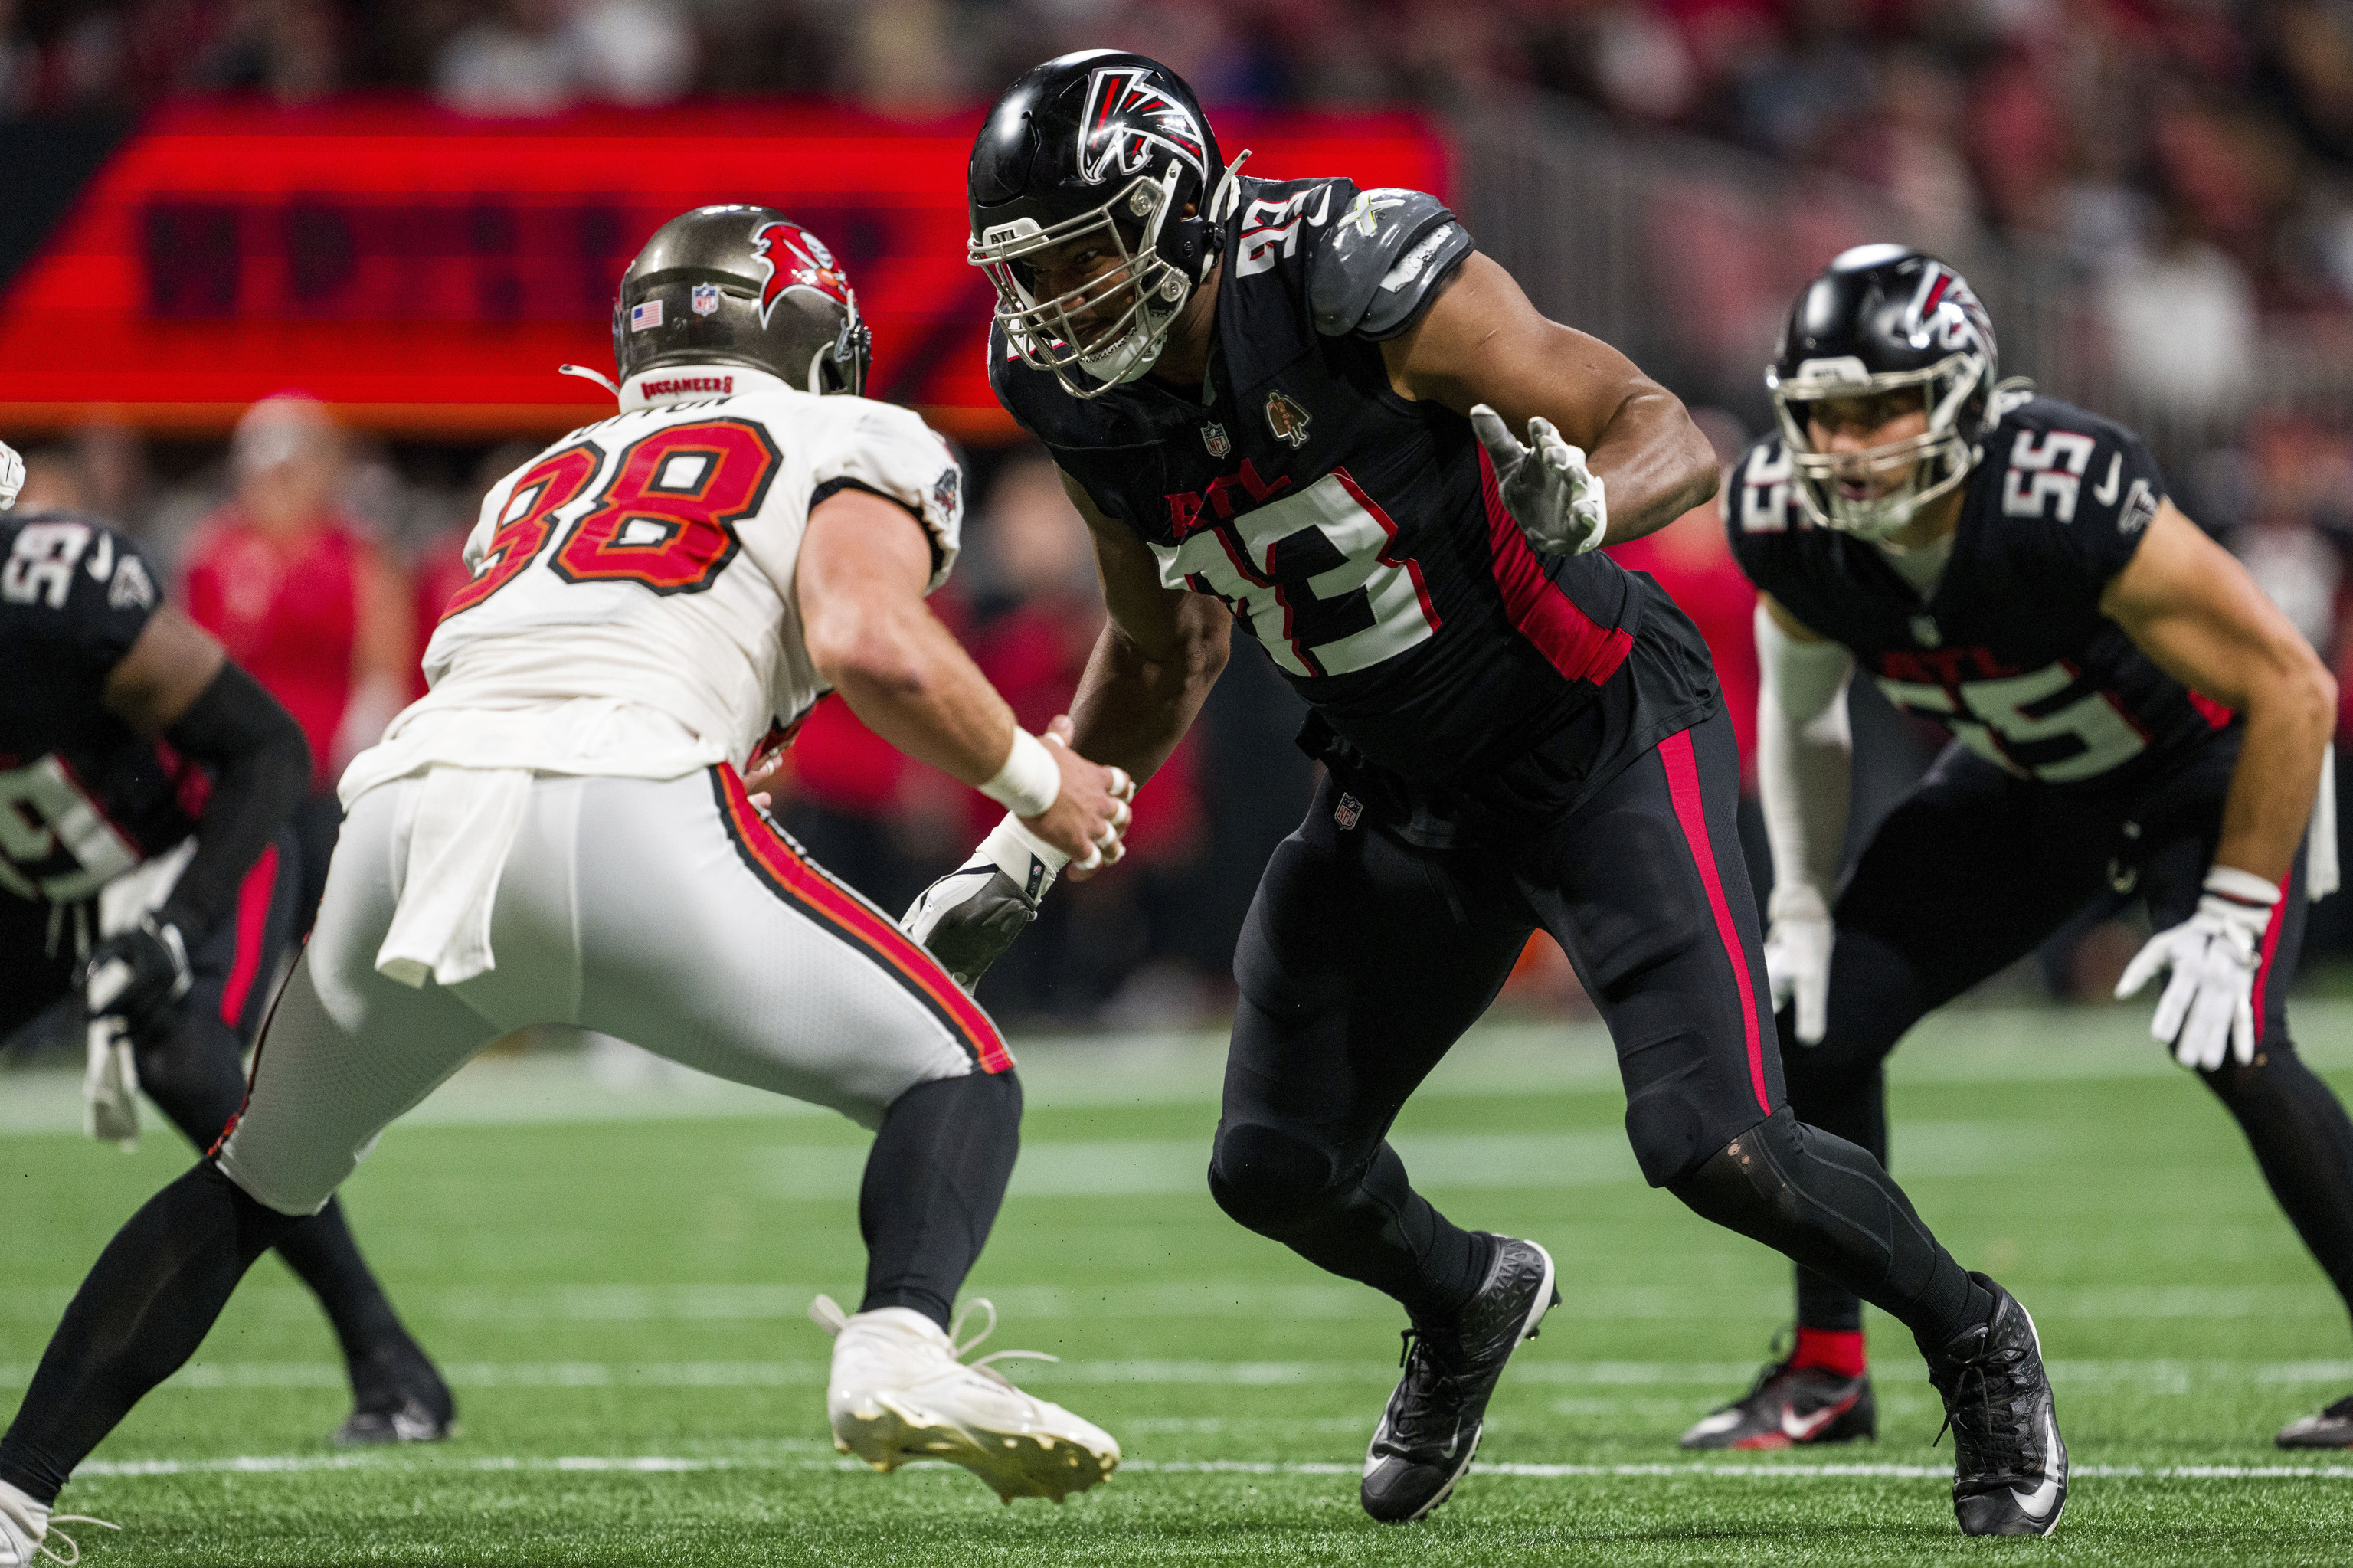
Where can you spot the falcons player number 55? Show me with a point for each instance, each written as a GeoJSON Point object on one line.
{"type": "Point", "coordinates": [665, 520]}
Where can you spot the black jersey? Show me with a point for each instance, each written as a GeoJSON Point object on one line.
{"type": "Point", "coordinates": [2010, 652]}
{"type": "Point", "coordinates": [83, 797]}
{"type": "Point", "coordinates": [1358, 535]}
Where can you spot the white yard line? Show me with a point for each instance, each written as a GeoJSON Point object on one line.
{"type": "Point", "coordinates": [2155, 1376]}
{"type": "Point", "coordinates": [654, 1463]}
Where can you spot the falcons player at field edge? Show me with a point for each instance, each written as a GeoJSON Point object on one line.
{"type": "Point", "coordinates": [2128, 711]}
{"type": "Point", "coordinates": [1294, 408]}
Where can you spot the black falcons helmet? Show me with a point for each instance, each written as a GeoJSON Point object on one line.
{"type": "Point", "coordinates": [1882, 318]}
{"type": "Point", "coordinates": [740, 285]}
{"type": "Point", "coordinates": [1109, 146]}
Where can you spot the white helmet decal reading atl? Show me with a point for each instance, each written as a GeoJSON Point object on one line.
{"type": "Point", "coordinates": [1945, 310]}
{"type": "Point", "coordinates": [1125, 118]}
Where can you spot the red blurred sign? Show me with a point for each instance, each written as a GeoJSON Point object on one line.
{"type": "Point", "coordinates": [427, 272]}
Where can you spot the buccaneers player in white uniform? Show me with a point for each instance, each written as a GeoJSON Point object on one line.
{"type": "Point", "coordinates": [557, 833]}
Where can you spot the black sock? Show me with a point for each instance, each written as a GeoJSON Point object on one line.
{"type": "Point", "coordinates": [1377, 1229]}
{"type": "Point", "coordinates": [321, 1253]}
{"type": "Point", "coordinates": [933, 1180]}
{"type": "Point", "coordinates": [1830, 1207]}
{"type": "Point", "coordinates": [147, 1305]}
{"type": "Point", "coordinates": [2304, 1142]}
{"type": "Point", "coordinates": [193, 1077]}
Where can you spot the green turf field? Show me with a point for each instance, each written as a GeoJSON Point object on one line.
{"type": "Point", "coordinates": [616, 1280]}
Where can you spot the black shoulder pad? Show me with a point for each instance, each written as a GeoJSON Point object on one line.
{"type": "Point", "coordinates": [1380, 262]}
{"type": "Point", "coordinates": [82, 582]}
{"type": "Point", "coordinates": [2073, 483]}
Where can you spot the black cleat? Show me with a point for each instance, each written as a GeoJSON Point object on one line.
{"type": "Point", "coordinates": [1790, 1406]}
{"type": "Point", "coordinates": [2009, 1468]}
{"type": "Point", "coordinates": [1431, 1430]}
{"type": "Point", "coordinates": [2332, 1428]}
{"type": "Point", "coordinates": [399, 1398]}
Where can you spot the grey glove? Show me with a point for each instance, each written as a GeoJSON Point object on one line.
{"type": "Point", "coordinates": [969, 918]}
{"type": "Point", "coordinates": [1556, 501]}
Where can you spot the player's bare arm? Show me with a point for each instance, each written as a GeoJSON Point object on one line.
{"type": "Point", "coordinates": [1483, 342]}
{"type": "Point", "coordinates": [859, 587]}
{"type": "Point", "coordinates": [2191, 607]}
{"type": "Point", "coordinates": [169, 666]}
{"type": "Point", "coordinates": [1160, 652]}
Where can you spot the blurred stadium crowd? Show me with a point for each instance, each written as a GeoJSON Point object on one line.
{"type": "Point", "coordinates": [2192, 159]}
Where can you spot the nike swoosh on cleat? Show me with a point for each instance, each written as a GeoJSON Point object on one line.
{"type": "Point", "coordinates": [1801, 1428]}
{"type": "Point", "coordinates": [2037, 1503]}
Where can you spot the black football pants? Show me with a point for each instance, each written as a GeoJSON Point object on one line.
{"type": "Point", "coordinates": [1971, 872]}
{"type": "Point", "coordinates": [1364, 958]}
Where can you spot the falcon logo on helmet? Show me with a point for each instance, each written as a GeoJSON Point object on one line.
{"type": "Point", "coordinates": [1946, 312]}
{"type": "Point", "coordinates": [795, 259]}
{"type": "Point", "coordinates": [1125, 117]}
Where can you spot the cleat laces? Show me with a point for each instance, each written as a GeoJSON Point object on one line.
{"type": "Point", "coordinates": [44, 1548]}
{"type": "Point", "coordinates": [826, 1314]}
{"type": "Point", "coordinates": [1435, 1386]}
{"type": "Point", "coordinates": [1974, 1421]}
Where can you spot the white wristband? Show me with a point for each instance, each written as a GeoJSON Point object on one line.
{"type": "Point", "coordinates": [1022, 855]}
{"type": "Point", "coordinates": [1030, 779]}
{"type": "Point", "coordinates": [2241, 886]}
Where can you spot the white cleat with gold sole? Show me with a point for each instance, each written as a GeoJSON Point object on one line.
{"type": "Point", "coordinates": [899, 1393]}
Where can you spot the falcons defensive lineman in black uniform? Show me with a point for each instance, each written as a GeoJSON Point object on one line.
{"type": "Point", "coordinates": [2128, 711]}
{"type": "Point", "coordinates": [145, 784]}
{"type": "Point", "coordinates": [1271, 402]}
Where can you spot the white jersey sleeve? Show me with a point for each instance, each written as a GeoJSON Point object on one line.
{"type": "Point", "coordinates": [890, 451]}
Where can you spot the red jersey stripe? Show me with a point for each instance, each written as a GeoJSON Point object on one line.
{"type": "Point", "coordinates": [1569, 639]}
{"type": "Point", "coordinates": [253, 896]}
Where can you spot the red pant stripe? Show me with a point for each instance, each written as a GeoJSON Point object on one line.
{"type": "Point", "coordinates": [1691, 811]}
{"type": "Point", "coordinates": [805, 884]}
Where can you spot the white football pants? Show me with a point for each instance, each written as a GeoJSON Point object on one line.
{"type": "Point", "coordinates": [669, 914]}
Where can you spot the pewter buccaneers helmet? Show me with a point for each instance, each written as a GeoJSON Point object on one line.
{"type": "Point", "coordinates": [1096, 145]}
{"type": "Point", "coordinates": [740, 285]}
{"type": "Point", "coordinates": [1883, 318]}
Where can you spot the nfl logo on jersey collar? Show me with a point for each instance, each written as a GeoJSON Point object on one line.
{"type": "Point", "coordinates": [1925, 632]}
{"type": "Point", "coordinates": [1213, 437]}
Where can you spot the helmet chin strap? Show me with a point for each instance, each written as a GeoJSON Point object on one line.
{"type": "Point", "coordinates": [599, 376]}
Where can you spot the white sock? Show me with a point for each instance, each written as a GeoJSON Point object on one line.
{"type": "Point", "coordinates": [35, 1514]}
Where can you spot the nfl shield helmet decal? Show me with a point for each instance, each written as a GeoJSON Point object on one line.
{"type": "Point", "coordinates": [1287, 419]}
{"type": "Point", "coordinates": [1214, 437]}
{"type": "Point", "coordinates": [704, 300]}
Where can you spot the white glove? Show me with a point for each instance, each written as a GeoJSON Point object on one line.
{"type": "Point", "coordinates": [12, 475]}
{"type": "Point", "coordinates": [1549, 492]}
{"type": "Point", "coordinates": [1797, 958]}
{"type": "Point", "coordinates": [2208, 1004]}
{"type": "Point", "coordinates": [969, 918]}
{"type": "Point", "coordinates": [109, 1084]}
